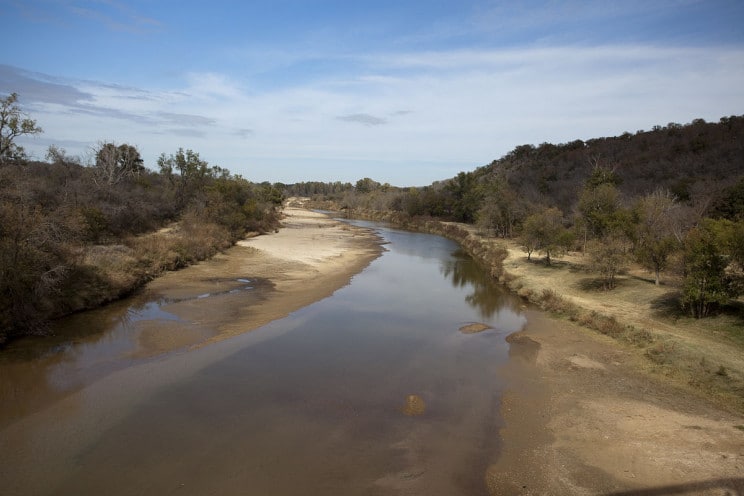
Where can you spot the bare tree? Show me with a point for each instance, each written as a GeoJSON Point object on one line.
{"type": "Point", "coordinates": [659, 220]}
{"type": "Point", "coordinates": [13, 123]}
{"type": "Point", "coordinates": [114, 163]}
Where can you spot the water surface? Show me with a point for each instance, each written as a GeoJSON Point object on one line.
{"type": "Point", "coordinates": [371, 391]}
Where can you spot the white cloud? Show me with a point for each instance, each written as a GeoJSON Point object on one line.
{"type": "Point", "coordinates": [461, 107]}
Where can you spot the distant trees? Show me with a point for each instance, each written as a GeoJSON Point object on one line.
{"type": "Point", "coordinates": [13, 124]}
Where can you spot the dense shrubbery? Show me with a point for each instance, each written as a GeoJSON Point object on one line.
{"type": "Point", "coordinates": [73, 237]}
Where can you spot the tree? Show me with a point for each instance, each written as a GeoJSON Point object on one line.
{"type": "Point", "coordinates": [366, 185]}
{"type": "Point", "coordinates": [705, 286]}
{"type": "Point", "coordinates": [500, 209]}
{"type": "Point", "coordinates": [58, 156]}
{"type": "Point", "coordinates": [599, 206]}
{"type": "Point", "coordinates": [467, 196]}
{"type": "Point", "coordinates": [655, 232]}
{"type": "Point", "coordinates": [192, 173]}
{"type": "Point", "coordinates": [609, 256]}
{"type": "Point", "coordinates": [114, 163]}
{"type": "Point", "coordinates": [13, 123]}
{"type": "Point", "coordinates": [544, 231]}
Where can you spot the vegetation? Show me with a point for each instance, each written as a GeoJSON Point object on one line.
{"type": "Point", "coordinates": [642, 198]}
{"type": "Point", "coordinates": [13, 123]}
{"type": "Point", "coordinates": [74, 236]}
{"type": "Point", "coordinates": [669, 201]}
{"type": "Point", "coordinates": [544, 231]}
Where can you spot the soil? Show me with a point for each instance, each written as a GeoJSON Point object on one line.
{"type": "Point", "coordinates": [586, 414]}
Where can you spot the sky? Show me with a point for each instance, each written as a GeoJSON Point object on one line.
{"type": "Point", "coordinates": [405, 92]}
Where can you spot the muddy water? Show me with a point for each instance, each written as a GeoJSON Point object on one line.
{"type": "Point", "coordinates": [371, 391]}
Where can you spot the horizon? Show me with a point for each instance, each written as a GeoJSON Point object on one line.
{"type": "Point", "coordinates": [330, 91]}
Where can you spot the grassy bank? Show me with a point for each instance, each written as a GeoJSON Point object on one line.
{"type": "Point", "coordinates": [704, 355]}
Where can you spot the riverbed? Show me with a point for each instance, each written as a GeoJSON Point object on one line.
{"type": "Point", "coordinates": [391, 385]}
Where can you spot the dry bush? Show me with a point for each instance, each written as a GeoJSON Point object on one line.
{"type": "Point", "coordinates": [662, 352]}
{"type": "Point", "coordinates": [551, 301]}
{"type": "Point", "coordinates": [639, 337]}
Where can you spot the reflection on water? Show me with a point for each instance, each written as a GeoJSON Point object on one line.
{"type": "Point", "coordinates": [371, 391]}
{"type": "Point", "coordinates": [463, 271]}
{"type": "Point", "coordinates": [86, 346]}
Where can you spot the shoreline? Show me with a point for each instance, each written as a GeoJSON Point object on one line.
{"type": "Point", "coordinates": [308, 259]}
{"type": "Point", "coordinates": [586, 413]}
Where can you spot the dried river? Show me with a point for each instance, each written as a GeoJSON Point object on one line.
{"type": "Point", "coordinates": [374, 390]}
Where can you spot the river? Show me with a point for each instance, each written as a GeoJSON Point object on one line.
{"type": "Point", "coordinates": [374, 390]}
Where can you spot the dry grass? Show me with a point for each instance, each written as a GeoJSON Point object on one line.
{"type": "Point", "coordinates": [705, 354]}
{"type": "Point", "coordinates": [108, 272]}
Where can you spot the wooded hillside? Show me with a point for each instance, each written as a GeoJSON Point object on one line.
{"type": "Point", "coordinates": [670, 199]}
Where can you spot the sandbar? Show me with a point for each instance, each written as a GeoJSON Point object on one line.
{"type": "Point", "coordinates": [261, 279]}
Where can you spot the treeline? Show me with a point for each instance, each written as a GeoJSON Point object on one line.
{"type": "Point", "coordinates": [671, 199]}
{"type": "Point", "coordinates": [74, 236]}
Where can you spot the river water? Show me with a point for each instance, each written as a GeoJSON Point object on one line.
{"type": "Point", "coordinates": [373, 390]}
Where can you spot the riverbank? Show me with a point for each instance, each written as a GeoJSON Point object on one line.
{"type": "Point", "coordinates": [610, 393]}
{"type": "Point", "coordinates": [634, 409]}
{"type": "Point", "coordinates": [306, 260]}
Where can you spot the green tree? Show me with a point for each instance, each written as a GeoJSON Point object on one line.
{"type": "Point", "coordinates": [467, 196]}
{"type": "Point", "coordinates": [366, 185]}
{"type": "Point", "coordinates": [13, 123]}
{"type": "Point", "coordinates": [545, 231]}
{"type": "Point", "coordinates": [187, 172]}
{"type": "Point", "coordinates": [706, 286]}
{"type": "Point", "coordinates": [599, 206]}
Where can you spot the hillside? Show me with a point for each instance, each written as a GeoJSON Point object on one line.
{"type": "Point", "coordinates": [696, 162]}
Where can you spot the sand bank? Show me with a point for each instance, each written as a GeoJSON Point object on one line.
{"type": "Point", "coordinates": [259, 280]}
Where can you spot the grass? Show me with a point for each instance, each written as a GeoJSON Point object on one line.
{"type": "Point", "coordinates": [704, 354]}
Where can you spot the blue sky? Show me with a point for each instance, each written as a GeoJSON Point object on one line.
{"type": "Point", "coordinates": [405, 92]}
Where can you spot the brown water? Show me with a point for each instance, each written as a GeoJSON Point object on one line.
{"type": "Point", "coordinates": [371, 391]}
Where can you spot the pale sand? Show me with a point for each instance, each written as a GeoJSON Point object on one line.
{"type": "Point", "coordinates": [307, 260]}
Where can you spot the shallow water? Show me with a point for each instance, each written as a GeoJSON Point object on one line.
{"type": "Point", "coordinates": [371, 391]}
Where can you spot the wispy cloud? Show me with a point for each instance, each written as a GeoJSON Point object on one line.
{"type": "Point", "coordinates": [186, 119]}
{"type": "Point", "coordinates": [366, 119]}
{"type": "Point", "coordinates": [37, 87]}
{"type": "Point", "coordinates": [116, 16]}
{"type": "Point", "coordinates": [461, 108]}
